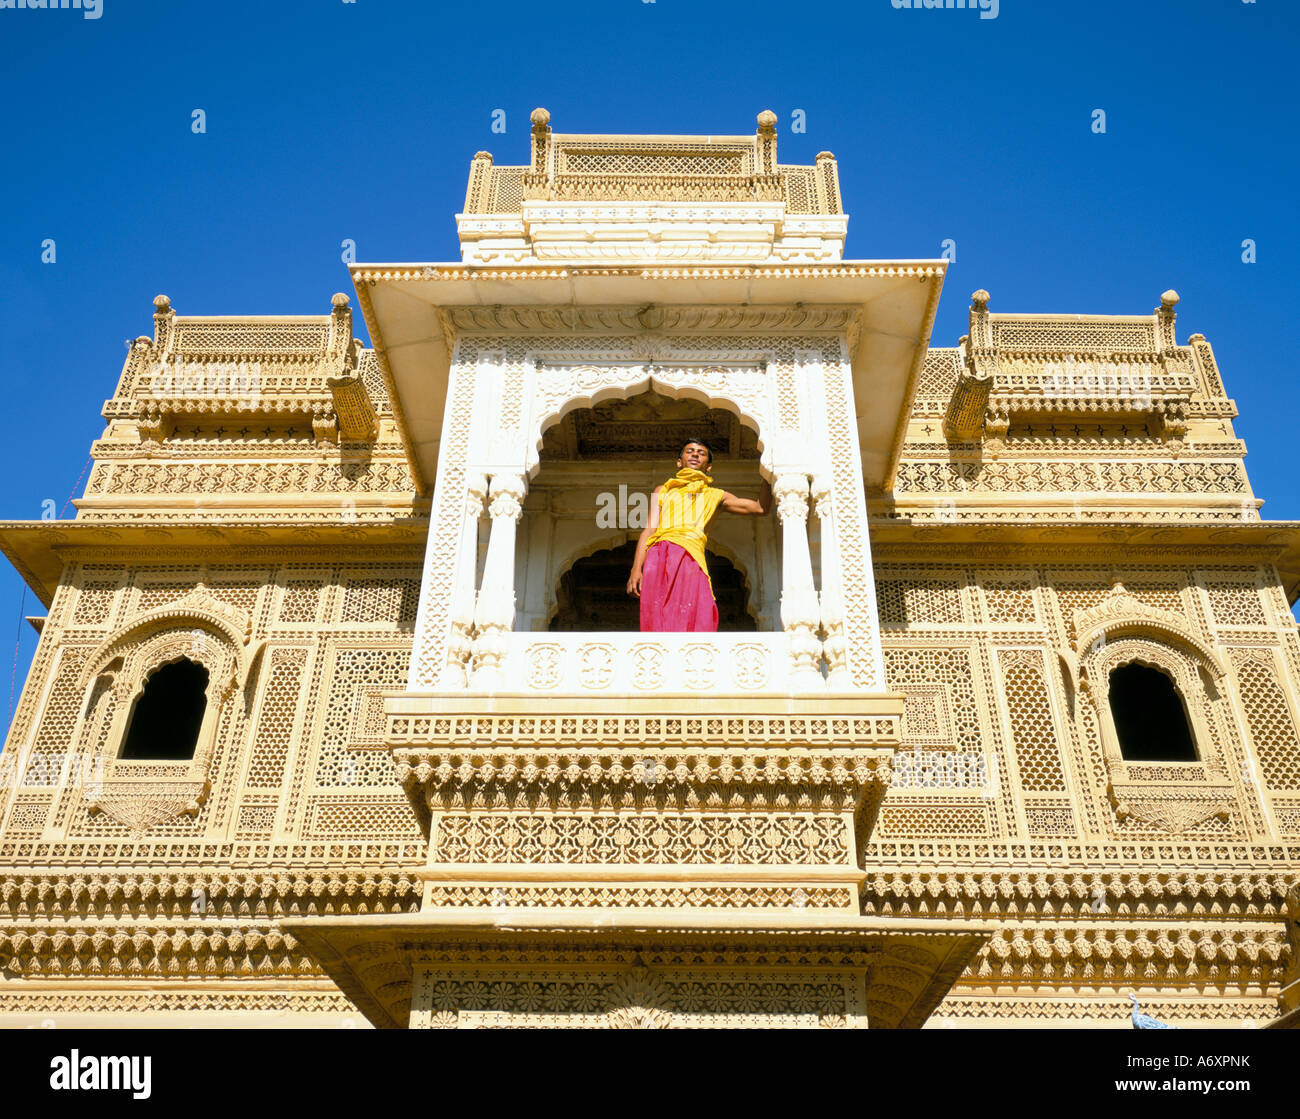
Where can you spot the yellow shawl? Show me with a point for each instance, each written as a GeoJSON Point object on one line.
{"type": "Point", "coordinates": [686, 503]}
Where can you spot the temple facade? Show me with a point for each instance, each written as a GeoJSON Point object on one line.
{"type": "Point", "coordinates": [340, 713]}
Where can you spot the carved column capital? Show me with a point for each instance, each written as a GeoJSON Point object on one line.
{"type": "Point", "coordinates": [821, 495]}
{"type": "Point", "coordinates": [791, 493]}
{"type": "Point", "coordinates": [506, 496]}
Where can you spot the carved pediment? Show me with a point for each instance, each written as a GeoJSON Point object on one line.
{"type": "Point", "coordinates": [198, 605]}
{"type": "Point", "coordinates": [1119, 614]}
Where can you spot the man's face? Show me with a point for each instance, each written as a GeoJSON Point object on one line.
{"type": "Point", "coordinates": [695, 456]}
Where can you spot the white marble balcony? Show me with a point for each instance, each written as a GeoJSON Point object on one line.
{"type": "Point", "coordinates": [640, 663]}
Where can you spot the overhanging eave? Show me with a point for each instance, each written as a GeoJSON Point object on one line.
{"type": "Point", "coordinates": [404, 307]}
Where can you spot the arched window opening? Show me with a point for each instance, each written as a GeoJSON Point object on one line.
{"type": "Point", "coordinates": [1149, 716]}
{"type": "Point", "coordinates": [592, 596]}
{"type": "Point", "coordinates": [166, 718]}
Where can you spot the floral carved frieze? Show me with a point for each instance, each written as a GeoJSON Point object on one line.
{"type": "Point", "coordinates": [639, 998]}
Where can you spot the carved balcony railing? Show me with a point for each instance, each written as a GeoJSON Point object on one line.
{"type": "Point", "coordinates": [269, 370]}
{"type": "Point", "coordinates": [1057, 368]}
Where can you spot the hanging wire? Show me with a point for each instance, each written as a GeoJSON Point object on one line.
{"type": "Point", "coordinates": [13, 673]}
{"type": "Point", "coordinates": [76, 486]}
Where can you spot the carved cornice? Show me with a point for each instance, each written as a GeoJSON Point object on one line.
{"type": "Point", "coordinates": [1171, 952]}
{"type": "Point", "coordinates": [1083, 894]}
{"type": "Point", "coordinates": [460, 274]}
{"type": "Point", "coordinates": [172, 950]}
{"type": "Point", "coordinates": [689, 319]}
{"type": "Point", "coordinates": [742, 780]}
{"type": "Point", "coordinates": [252, 893]}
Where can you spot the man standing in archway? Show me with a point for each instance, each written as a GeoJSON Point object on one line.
{"type": "Point", "coordinates": [670, 574]}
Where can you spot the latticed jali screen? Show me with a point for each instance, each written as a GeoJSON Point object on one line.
{"type": "Point", "coordinates": [998, 740]}
{"type": "Point", "coordinates": [301, 750]}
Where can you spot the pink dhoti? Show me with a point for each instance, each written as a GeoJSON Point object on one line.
{"type": "Point", "coordinates": [675, 593]}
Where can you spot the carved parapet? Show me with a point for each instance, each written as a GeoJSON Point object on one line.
{"type": "Point", "coordinates": [741, 798]}
{"type": "Point", "coordinates": [1046, 369]}
{"type": "Point", "coordinates": [273, 370]}
{"type": "Point", "coordinates": [591, 168]}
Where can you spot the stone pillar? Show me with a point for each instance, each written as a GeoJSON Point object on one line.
{"type": "Point", "coordinates": [494, 612]}
{"type": "Point", "coordinates": [460, 642]}
{"type": "Point", "coordinates": [832, 593]}
{"type": "Point", "coordinates": [800, 613]}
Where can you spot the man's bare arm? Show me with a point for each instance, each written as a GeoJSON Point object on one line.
{"type": "Point", "coordinates": [745, 505]}
{"type": "Point", "coordinates": [652, 523]}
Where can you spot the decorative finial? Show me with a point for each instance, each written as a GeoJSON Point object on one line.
{"type": "Point", "coordinates": [338, 300]}
{"type": "Point", "coordinates": [485, 156]}
{"type": "Point", "coordinates": [767, 121]}
{"type": "Point", "coordinates": [980, 300]}
{"type": "Point", "coordinates": [1168, 300]}
{"type": "Point", "coordinates": [540, 118]}
{"type": "Point", "coordinates": [825, 155]}
{"type": "Point", "coordinates": [162, 304]}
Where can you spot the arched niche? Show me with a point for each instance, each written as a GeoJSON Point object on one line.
{"type": "Point", "coordinates": [588, 495]}
{"type": "Point", "coordinates": [1179, 663]}
{"type": "Point", "coordinates": [142, 792]}
{"type": "Point", "coordinates": [1171, 795]}
{"type": "Point", "coordinates": [591, 595]}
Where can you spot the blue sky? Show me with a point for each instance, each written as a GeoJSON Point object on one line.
{"type": "Point", "coordinates": [329, 120]}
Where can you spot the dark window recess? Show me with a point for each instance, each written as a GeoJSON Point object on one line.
{"type": "Point", "coordinates": [166, 719]}
{"type": "Point", "coordinates": [1149, 716]}
{"type": "Point", "coordinates": [592, 596]}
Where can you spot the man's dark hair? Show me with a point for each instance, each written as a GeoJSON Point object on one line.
{"type": "Point", "coordinates": [702, 443]}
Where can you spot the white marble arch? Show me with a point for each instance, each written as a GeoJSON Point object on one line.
{"type": "Point", "coordinates": [559, 526]}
